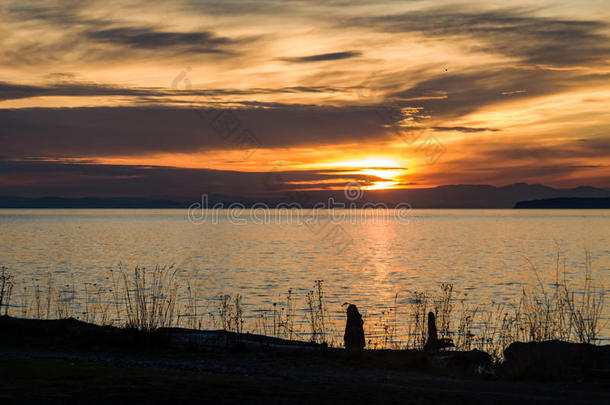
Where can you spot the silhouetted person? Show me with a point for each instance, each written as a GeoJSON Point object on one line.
{"type": "Point", "coordinates": [354, 332]}
{"type": "Point", "coordinates": [434, 343]}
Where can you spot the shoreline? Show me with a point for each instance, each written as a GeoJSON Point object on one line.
{"type": "Point", "coordinates": [102, 364]}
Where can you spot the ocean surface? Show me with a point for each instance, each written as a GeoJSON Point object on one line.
{"type": "Point", "coordinates": [488, 255]}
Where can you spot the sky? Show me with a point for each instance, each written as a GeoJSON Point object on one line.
{"type": "Point", "coordinates": [150, 98]}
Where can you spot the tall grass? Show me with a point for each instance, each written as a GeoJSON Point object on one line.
{"type": "Point", "coordinates": [388, 324]}
{"type": "Point", "coordinates": [443, 309]}
{"type": "Point", "coordinates": [585, 314]}
{"type": "Point", "coordinates": [150, 297]}
{"type": "Point", "coordinates": [464, 334]}
{"type": "Point", "coordinates": [416, 327]}
{"type": "Point", "coordinates": [544, 311]}
{"type": "Point", "coordinates": [317, 312]}
{"type": "Point", "coordinates": [6, 289]}
{"type": "Point", "coordinates": [230, 313]}
{"type": "Point", "coordinates": [147, 299]}
{"type": "Point", "coordinates": [191, 312]}
{"type": "Point", "coordinates": [284, 318]}
{"type": "Point", "coordinates": [564, 312]}
{"type": "Point", "coordinates": [96, 305]}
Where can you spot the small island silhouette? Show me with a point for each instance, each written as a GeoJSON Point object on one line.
{"type": "Point", "coordinates": [565, 203]}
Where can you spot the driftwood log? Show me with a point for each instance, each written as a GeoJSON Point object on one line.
{"type": "Point", "coordinates": [354, 330]}
{"type": "Point", "coordinates": [434, 344]}
{"type": "Point", "coordinates": [232, 340]}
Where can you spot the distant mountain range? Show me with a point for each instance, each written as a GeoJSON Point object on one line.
{"type": "Point", "coordinates": [450, 196]}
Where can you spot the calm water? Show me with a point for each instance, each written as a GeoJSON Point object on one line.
{"type": "Point", "coordinates": [487, 253]}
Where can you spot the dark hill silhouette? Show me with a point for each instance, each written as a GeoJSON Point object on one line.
{"type": "Point", "coordinates": [449, 196]}
{"type": "Point", "coordinates": [581, 203]}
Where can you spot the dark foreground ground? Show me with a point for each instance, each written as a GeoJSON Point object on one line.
{"type": "Point", "coordinates": [42, 366]}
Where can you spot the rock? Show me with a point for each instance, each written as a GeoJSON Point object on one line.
{"type": "Point", "coordinates": [555, 359]}
{"type": "Point", "coordinates": [354, 331]}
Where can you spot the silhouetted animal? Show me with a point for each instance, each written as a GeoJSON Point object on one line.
{"type": "Point", "coordinates": [433, 343]}
{"type": "Point", "coordinates": [354, 331]}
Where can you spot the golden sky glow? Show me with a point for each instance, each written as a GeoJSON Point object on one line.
{"type": "Point", "coordinates": [389, 94]}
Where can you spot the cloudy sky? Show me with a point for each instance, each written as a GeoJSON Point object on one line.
{"type": "Point", "coordinates": [117, 98]}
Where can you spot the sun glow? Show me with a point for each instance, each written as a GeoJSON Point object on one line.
{"type": "Point", "coordinates": [387, 170]}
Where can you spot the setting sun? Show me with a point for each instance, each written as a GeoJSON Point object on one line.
{"type": "Point", "coordinates": [385, 172]}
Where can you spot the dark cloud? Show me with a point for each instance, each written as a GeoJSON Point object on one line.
{"type": "Point", "coordinates": [82, 132]}
{"type": "Point", "coordinates": [48, 178]}
{"type": "Point", "coordinates": [149, 38]}
{"type": "Point", "coordinates": [464, 129]}
{"type": "Point", "coordinates": [568, 163]}
{"type": "Point", "coordinates": [589, 148]}
{"type": "Point", "coordinates": [12, 91]}
{"type": "Point", "coordinates": [79, 37]}
{"type": "Point", "coordinates": [278, 8]}
{"type": "Point", "coordinates": [468, 92]}
{"type": "Point", "coordinates": [60, 13]}
{"type": "Point", "coordinates": [512, 32]}
{"type": "Point", "coordinates": [60, 76]}
{"type": "Point", "coordinates": [479, 170]}
{"type": "Point", "coordinates": [323, 57]}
